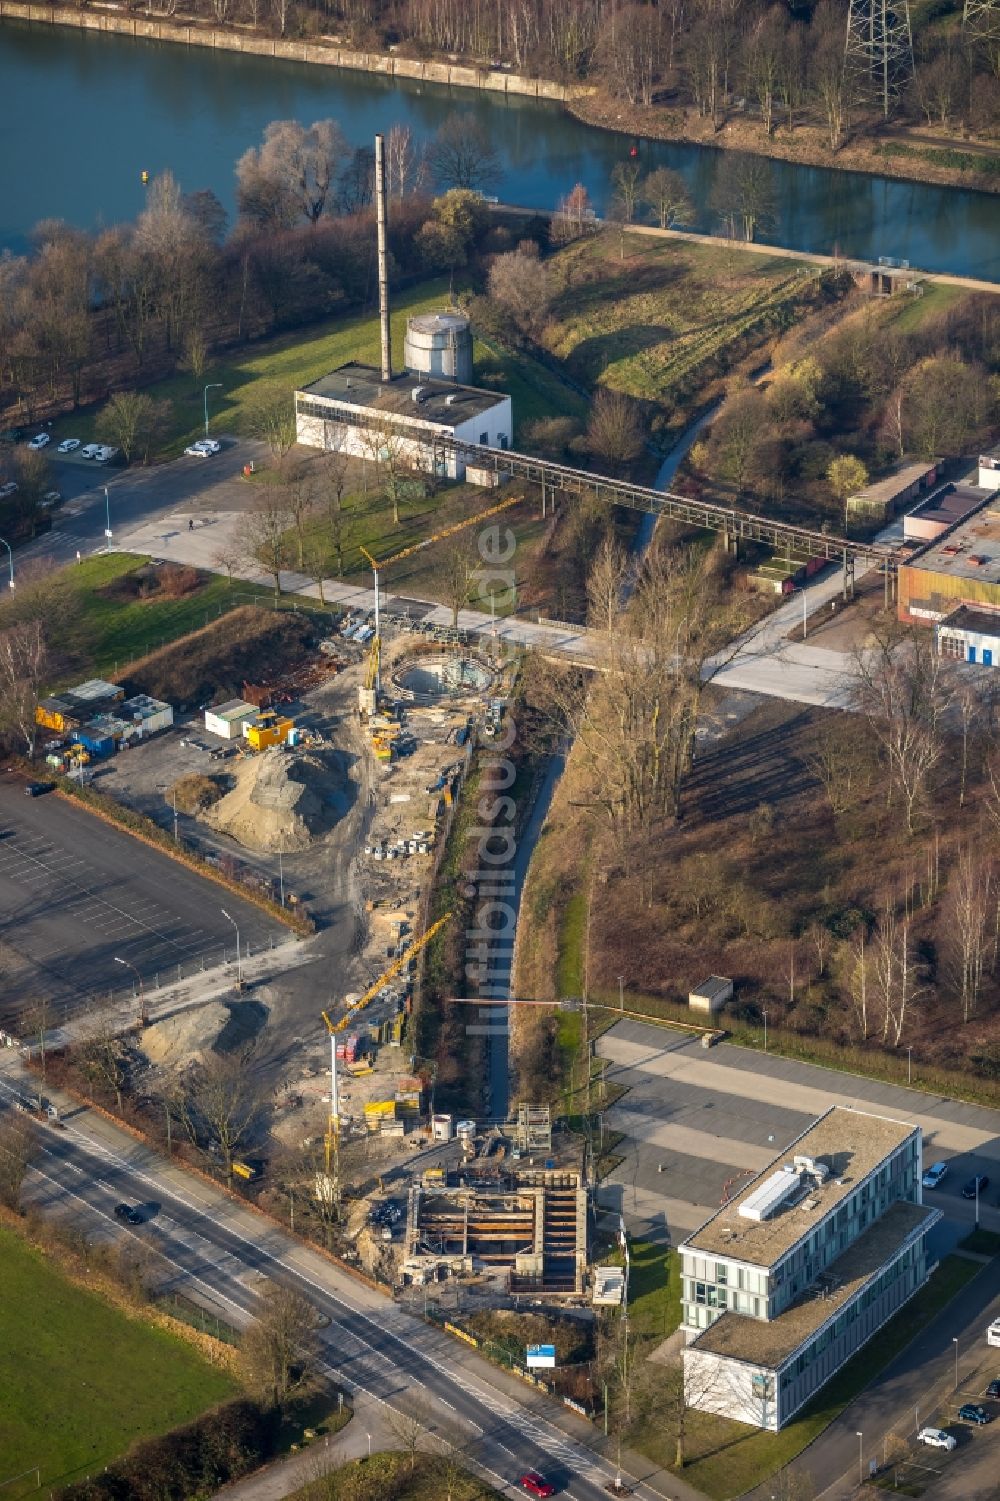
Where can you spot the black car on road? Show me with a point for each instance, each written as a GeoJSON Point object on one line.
{"type": "Point", "coordinates": [39, 789]}
{"type": "Point", "coordinates": [978, 1184]}
{"type": "Point", "coordinates": [127, 1214]}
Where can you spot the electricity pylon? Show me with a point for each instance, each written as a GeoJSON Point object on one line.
{"type": "Point", "coordinates": [879, 47]}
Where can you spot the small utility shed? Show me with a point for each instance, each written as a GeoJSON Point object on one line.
{"type": "Point", "coordinates": [226, 720]}
{"type": "Point", "coordinates": [711, 995]}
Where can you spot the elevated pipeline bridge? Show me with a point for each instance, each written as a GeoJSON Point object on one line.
{"type": "Point", "coordinates": [732, 524]}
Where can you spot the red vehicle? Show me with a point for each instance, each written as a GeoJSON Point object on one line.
{"type": "Point", "coordinates": [536, 1485]}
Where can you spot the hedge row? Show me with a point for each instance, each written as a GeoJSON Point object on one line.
{"type": "Point", "coordinates": [196, 1460]}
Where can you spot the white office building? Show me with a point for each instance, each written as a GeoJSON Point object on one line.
{"type": "Point", "coordinates": [791, 1277]}
{"type": "Point", "coordinates": [352, 410]}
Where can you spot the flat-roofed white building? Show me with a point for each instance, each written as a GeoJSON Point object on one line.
{"type": "Point", "coordinates": [790, 1278]}
{"type": "Point", "coordinates": [352, 410]}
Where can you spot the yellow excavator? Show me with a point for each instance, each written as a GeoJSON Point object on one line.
{"type": "Point", "coordinates": [335, 1028]}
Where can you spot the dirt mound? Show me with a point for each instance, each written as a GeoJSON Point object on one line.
{"type": "Point", "coordinates": [248, 643]}
{"type": "Point", "coordinates": [282, 800]}
{"type": "Point", "coordinates": [179, 1039]}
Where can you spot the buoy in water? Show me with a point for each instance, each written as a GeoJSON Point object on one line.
{"type": "Point", "coordinates": [145, 179]}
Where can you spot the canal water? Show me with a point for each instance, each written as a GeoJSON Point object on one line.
{"type": "Point", "coordinates": [84, 115]}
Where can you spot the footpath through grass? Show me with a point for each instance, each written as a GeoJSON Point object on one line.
{"type": "Point", "coordinates": [727, 1458]}
{"type": "Point", "coordinates": [79, 1381]}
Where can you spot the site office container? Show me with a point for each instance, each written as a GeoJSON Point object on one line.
{"type": "Point", "coordinates": [267, 730]}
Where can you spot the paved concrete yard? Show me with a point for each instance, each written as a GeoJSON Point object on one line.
{"type": "Point", "coordinates": [75, 893]}
{"type": "Point", "coordinates": [697, 1121]}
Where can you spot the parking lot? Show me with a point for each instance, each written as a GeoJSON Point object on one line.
{"type": "Point", "coordinates": [77, 894]}
{"type": "Point", "coordinates": [697, 1124]}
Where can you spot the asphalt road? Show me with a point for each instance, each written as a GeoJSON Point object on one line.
{"type": "Point", "coordinates": [76, 893]}
{"type": "Point", "coordinates": [218, 1252]}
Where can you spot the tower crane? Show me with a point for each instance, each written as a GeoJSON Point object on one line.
{"type": "Point", "coordinates": [335, 1028]}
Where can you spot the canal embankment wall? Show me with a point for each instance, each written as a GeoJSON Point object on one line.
{"type": "Point", "coordinates": [326, 51]}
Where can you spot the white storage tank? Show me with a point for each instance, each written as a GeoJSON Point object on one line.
{"type": "Point", "coordinates": [439, 344]}
{"type": "Point", "coordinates": [441, 1127]}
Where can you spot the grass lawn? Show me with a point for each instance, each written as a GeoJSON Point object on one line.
{"type": "Point", "coordinates": [79, 1381]}
{"type": "Point", "coordinates": [726, 1458]}
{"type": "Point", "coordinates": [665, 319]}
{"type": "Point", "coordinates": [654, 1290]}
{"type": "Point", "coordinates": [296, 359]}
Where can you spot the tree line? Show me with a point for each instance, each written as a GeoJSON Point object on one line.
{"type": "Point", "coordinates": [716, 56]}
{"type": "Point", "coordinates": [83, 313]}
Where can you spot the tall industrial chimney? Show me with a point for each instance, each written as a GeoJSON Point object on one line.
{"type": "Point", "coordinates": [383, 263]}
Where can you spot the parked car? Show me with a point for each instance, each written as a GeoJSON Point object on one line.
{"type": "Point", "coordinates": [535, 1484]}
{"type": "Point", "coordinates": [68, 445]}
{"type": "Point", "coordinates": [52, 497]}
{"type": "Point", "coordinates": [993, 1333]}
{"type": "Point", "coordinates": [211, 445]}
{"type": "Point", "coordinates": [971, 1412]}
{"type": "Point", "coordinates": [977, 1184]}
{"type": "Point", "coordinates": [90, 450]}
{"type": "Point", "coordinates": [40, 440]}
{"type": "Point", "coordinates": [936, 1438]}
{"type": "Point", "coordinates": [39, 789]}
{"type": "Point", "coordinates": [993, 1390]}
{"type": "Point", "coordinates": [127, 1214]}
{"type": "Point", "coordinates": [203, 448]}
{"type": "Point", "coordinates": [105, 453]}
{"type": "Point", "coordinates": [933, 1175]}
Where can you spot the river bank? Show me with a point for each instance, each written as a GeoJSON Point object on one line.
{"type": "Point", "coordinates": [325, 51]}
{"type": "Point", "coordinates": [904, 155]}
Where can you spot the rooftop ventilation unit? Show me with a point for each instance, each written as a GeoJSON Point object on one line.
{"type": "Point", "coordinates": [817, 1170]}
{"type": "Point", "coordinates": [417, 395]}
{"type": "Point", "coordinates": [772, 1194]}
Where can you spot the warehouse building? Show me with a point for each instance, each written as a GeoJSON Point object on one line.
{"type": "Point", "coordinates": [352, 410]}
{"type": "Point", "coordinates": [961, 567]}
{"type": "Point", "coordinates": [790, 1278]}
{"type": "Point", "coordinates": [884, 497]}
{"type": "Point", "coordinates": [943, 509]}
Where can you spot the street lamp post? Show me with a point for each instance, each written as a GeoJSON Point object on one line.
{"type": "Point", "coordinates": [909, 1065]}
{"type": "Point", "coordinates": [861, 1458]}
{"type": "Point", "coordinates": [621, 992]}
{"type": "Point", "coordinates": [143, 1018]}
{"type": "Point", "coordinates": [369, 1438]}
{"type": "Point", "coordinates": [764, 1014]}
{"type": "Point", "coordinates": [107, 520]}
{"type": "Point", "coordinates": [239, 960]}
{"type": "Point", "coordinates": [955, 1343]}
{"type": "Point", "coordinates": [10, 560]}
{"type": "Point", "coordinates": [216, 385]}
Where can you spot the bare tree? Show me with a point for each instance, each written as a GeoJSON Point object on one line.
{"type": "Point", "coordinates": [24, 666]}
{"type": "Point", "coordinates": [18, 1146]}
{"type": "Point", "coordinates": [606, 585]}
{"type": "Point", "coordinates": [743, 194]}
{"type": "Point", "coordinates": [299, 492]}
{"type": "Point", "coordinates": [665, 192]}
{"type": "Point", "coordinates": [228, 556]}
{"type": "Point", "coordinates": [389, 450]}
{"type": "Point", "coordinates": [265, 534]}
{"type": "Point", "coordinates": [102, 1054]}
{"type": "Point", "coordinates": [901, 690]}
{"type": "Point", "coordinates": [279, 1350]}
{"type": "Point", "coordinates": [293, 172]}
{"type": "Point", "coordinates": [625, 181]}
{"type": "Point", "coordinates": [840, 759]}
{"type": "Point", "coordinates": [221, 1104]}
{"type": "Point", "coordinates": [270, 417]}
{"type": "Point", "coordinates": [462, 154]}
{"type": "Point", "coordinates": [409, 1431]}
{"type": "Point", "coordinates": [521, 285]}
{"type": "Point", "coordinates": [969, 905]}
{"type": "Point", "coordinates": [574, 216]}
{"type": "Point", "coordinates": [457, 564]}
{"type": "Point", "coordinates": [132, 421]}
{"type": "Point", "coordinates": [893, 973]}
{"type": "Point", "coordinates": [406, 166]}
{"type": "Point", "coordinates": [763, 61]}
{"type": "Point", "coordinates": [614, 435]}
